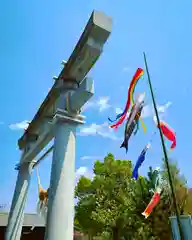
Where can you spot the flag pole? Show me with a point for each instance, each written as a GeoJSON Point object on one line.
{"type": "Point", "coordinates": [164, 151]}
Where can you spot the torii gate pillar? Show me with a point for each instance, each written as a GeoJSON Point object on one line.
{"type": "Point", "coordinates": [60, 215]}
{"type": "Point", "coordinates": [61, 196]}
{"type": "Point", "coordinates": [16, 215]}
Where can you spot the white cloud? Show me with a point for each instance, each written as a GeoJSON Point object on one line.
{"type": "Point", "coordinates": [101, 104]}
{"type": "Point", "coordinates": [118, 110]}
{"type": "Point", "coordinates": [91, 157]}
{"type": "Point", "coordinates": [163, 108]}
{"type": "Point", "coordinates": [96, 129]}
{"type": "Point", "coordinates": [83, 171]}
{"type": "Point", "coordinates": [126, 69]}
{"type": "Point", "coordinates": [21, 125]}
{"type": "Point", "coordinates": [88, 105]}
{"type": "Point", "coordinates": [91, 129]}
{"type": "Point", "coordinates": [148, 110]}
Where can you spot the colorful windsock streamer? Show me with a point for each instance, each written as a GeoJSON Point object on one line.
{"type": "Point", "coordinates": [132, 120]}
{"type": "Point", "coordinates": [168, 132]}
{"type": "Point", "coordinates": [139, 162]}
{"type": "Point", "coordinates": [139, 73]}
{"type": "Point", "coordinates": [154, 201]}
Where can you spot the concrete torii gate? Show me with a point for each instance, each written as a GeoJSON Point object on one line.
{"type": "Point", "coordinates": [55, 120]}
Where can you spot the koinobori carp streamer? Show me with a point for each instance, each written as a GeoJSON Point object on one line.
{"type": "Point", "coordinates": [133, 119]}
{"type": "Point", "coordinates": [139, 73]}
{"type": "Point", "coordinates": [139, 162]}
{"type": "Point", "coordinates": [168, 132]}
{"type": "Point", "coordinates": [154, 201]}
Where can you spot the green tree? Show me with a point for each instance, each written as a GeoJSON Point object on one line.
{"type": "Point", "coordinates": [85, 206]}
{"type": "Point", "coordinates": [180, 187]}
{"type": "Point", "coordinates": [109, 197]}
{"type": "Point", "coordinates": [188, 206]}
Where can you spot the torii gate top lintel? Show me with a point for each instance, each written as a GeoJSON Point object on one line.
{"type": "Point", "coordinates": [71, 78]}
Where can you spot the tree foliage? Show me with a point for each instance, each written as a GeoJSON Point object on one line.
{"type": "Point", "coordinates": [110, 205]}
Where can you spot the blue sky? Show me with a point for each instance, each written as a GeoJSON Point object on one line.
{"type": "Point", "coordinates": [37, 35]}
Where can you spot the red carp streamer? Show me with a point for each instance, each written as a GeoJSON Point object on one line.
{"type": "Point", "coordinates": [154, 201]}
{"type": "Point", "coordinates": [131, 90]}
{"type": "Point", "coordinates": [168, 132]}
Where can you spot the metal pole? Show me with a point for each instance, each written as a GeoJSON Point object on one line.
{"type": "Point", "coordinates": [61, 194]}
{"type": "Point", "coordinates": [16, 214]}
{"type": "Point", "coordinates": [164, 151]}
